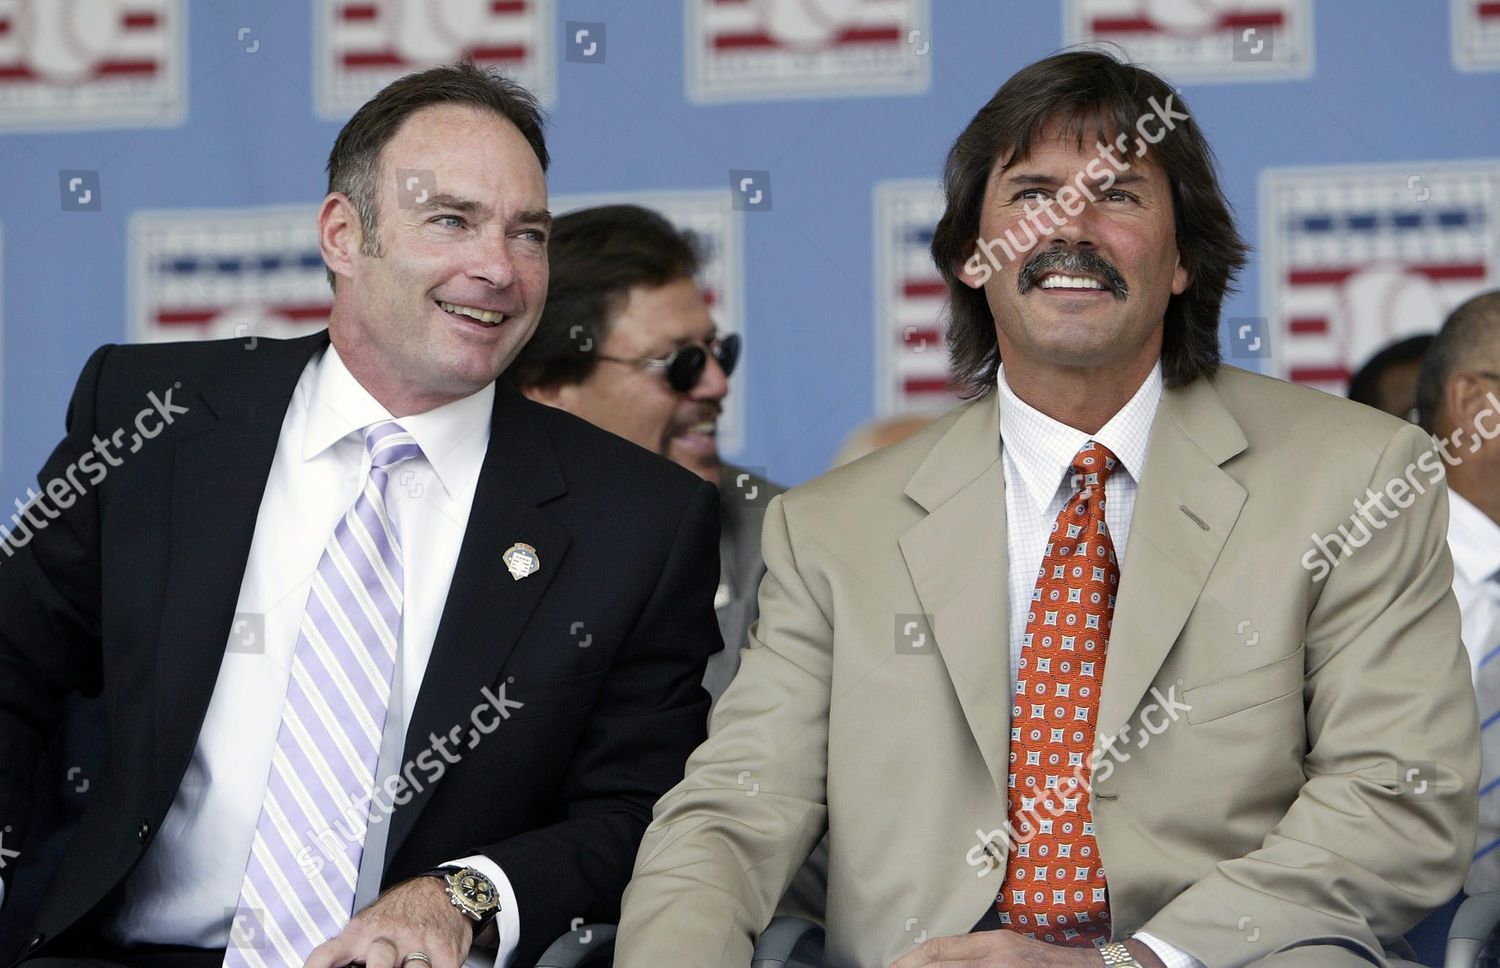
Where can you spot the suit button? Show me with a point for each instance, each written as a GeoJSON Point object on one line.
{"type": "Point", "coordinates": [35, 942]}
{"type": "Point", "coordinates": [143, 831]}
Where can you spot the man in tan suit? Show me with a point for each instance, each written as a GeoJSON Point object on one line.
{"type": "Point", "coordinates": [1275, 760]}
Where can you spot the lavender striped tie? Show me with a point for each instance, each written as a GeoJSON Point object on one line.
{"type": "Point", "coordinates": [299, 881]}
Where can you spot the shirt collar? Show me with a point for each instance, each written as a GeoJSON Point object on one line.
{"type": "Point", "coordinates": [1473, 539]}
{"type": "Point", "coordinates": [1043, 448]}
{"type": "Point", "coordinates": [453, 437]}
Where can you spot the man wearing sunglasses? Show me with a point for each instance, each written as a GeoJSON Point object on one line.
{"type": "Point", "coordinates": [626, 341]}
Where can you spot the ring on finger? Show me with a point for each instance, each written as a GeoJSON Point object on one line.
{"type": "Point", "coordinates": [415, 956]}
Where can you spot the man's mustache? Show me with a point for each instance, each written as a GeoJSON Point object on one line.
{"type": "Point", "coordinates": [1071, 262]}
{"type": "Point", "coordinates": [706, 414]}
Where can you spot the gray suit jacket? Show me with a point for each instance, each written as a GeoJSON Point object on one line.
{"type": "Point", "coordinates": [743, 496]}
{"type": "Point", "coordinates": [1298, 777]}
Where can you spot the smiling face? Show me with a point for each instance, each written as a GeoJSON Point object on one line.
{"type": "Point", "coordinates": [461, 275]}
{"type": "Point", "coordinates": [636, 402]}
{"type": "Point", "coordinates": [1089, 299]}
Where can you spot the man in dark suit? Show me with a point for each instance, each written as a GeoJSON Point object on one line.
{"type": "Point", "coordinates": [375, 634]}
{"type": "Point", "coordinates": [628, 343]}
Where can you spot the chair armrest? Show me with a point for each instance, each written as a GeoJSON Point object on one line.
{"type": "Point", "coordinates": [577, 948]}
{"type": "Point", "coordinates": [1472, 925]}
{"type": "Point", "coordinates": [785, 937]}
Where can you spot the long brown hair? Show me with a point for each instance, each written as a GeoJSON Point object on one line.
{"type": "Point", "coordinates": [1092, 95]}
{"type": "Point", "coordinates": [596, 257]}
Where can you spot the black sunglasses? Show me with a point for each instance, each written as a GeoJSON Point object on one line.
{"type": "Point", "coordinates": [684, 366]}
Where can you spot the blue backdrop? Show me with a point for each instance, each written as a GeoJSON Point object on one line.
{"type": "Point", "coordinates": [1381, 86]}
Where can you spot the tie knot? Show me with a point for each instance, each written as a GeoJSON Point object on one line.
{"type": "Point", "coordinates": [389, 444]}
{"type": "Point", "coordinates": [1092, 465]}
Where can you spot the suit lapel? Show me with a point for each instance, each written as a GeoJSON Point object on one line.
{"type": "Point", "coordinates": [1170, 551]}
{"type": "Point", "coordinates": [487, 609]}
{"type": "Point", "coordinates": [218, 477]}
{"type": "Point", "coordinates": [957, 556]}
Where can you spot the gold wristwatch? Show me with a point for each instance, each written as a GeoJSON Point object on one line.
{"type": "Point", "coordinates": [1115, 953]}
{"type": "Point", "coordinates": [471, 892]}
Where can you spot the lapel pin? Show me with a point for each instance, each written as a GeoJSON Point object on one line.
{"type": "Point", "coordinates": [521, 559]}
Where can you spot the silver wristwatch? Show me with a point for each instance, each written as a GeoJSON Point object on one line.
{"type": "Point", "coordinates": [1115, 953]}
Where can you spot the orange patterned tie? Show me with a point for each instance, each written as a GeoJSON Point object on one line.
{"type": "Point", "coordinates": [1054, 888]}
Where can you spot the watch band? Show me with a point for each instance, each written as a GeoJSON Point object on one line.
{"type": "Point", "coordinates": [1115, 953]}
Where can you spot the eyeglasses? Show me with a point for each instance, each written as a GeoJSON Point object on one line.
{"type": "Point", "coordinates": [684, 366]}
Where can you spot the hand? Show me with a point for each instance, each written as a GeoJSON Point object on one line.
{"type": "Point", "coordinates": [415, 915]}
{"type": "Point", "coordinates": [1008, 949]}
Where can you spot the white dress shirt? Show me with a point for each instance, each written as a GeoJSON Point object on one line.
{"type": "Point", "coordinates": [187, 885]}
{"type": "Point", "coordinates": [1037, 453]}
{"type": "Point", "coordinates": [1474, 540]}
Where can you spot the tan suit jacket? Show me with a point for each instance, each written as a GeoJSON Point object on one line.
{"type": "Point", "coordinates": [1321, 790]}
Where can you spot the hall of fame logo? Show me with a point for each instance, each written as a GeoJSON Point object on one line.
{"type": "Point", "coordinates": [1476, 35]}
{"type": "Point", "coordinates": [1356, 257]}
{"type": "Point", "coordinates": [709, 213]}
{"type": "Point", "coordinates": [68, 64]}
{"type": "Point", "coordinates": [911, 357]}
{"type": "Point", "coordinates": [360, 46]}
{"type": "Point", "coordinates": [1201, 40]}
{"type": "Point", "coordinates": [210, 274]}
{"type": "Point", "coordinates": [756, 49]}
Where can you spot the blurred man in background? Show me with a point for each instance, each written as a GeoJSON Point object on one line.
{"type": "Point", "coordinates": [1389, 380]}
{"type": "Point", "coordinates": [869, 437]}
{"type": "Point", "coordinates": [1458, 399]}
{"type": "Point", "coordinates": [628, 342]}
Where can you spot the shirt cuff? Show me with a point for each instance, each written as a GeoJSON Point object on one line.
{"type": "Point", "coordinates": [1170, 955]}
{"type": "Point", "coordinates": [507, 921]}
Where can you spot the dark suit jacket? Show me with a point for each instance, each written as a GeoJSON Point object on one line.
{"type": "Point", "coordinates": [131, 592]}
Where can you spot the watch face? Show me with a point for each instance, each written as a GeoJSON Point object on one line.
{"type": "Point", "coordinates": [477, 890]}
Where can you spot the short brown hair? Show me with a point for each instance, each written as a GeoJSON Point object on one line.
{"type": "Point", "coordinates": [1091, 94]}
{"type": "Point", "coordinates": [595, 257]}
{"type": "Point", "coordinates": [354, 162]}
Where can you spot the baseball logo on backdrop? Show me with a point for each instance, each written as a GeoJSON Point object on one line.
{"type": "Point", "coordinates": [1201, 40]}
{"type": "Point", "coordinates": [360, 46]}
{"type": "Point", "coordinates": [911, 356]}
{"type": "Point", "coordinates": [1356, 257]}
{"type": "Point", "coordinates": [711, 214]}
{"type": "Point", "coordinates": [1476, 35]}
{"type": "Point", "coordinates": [102, 63]}
{"type": "Point", "coordinates": [208, 274]}
{"type": "Point", "coordinates": [757, 49]}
